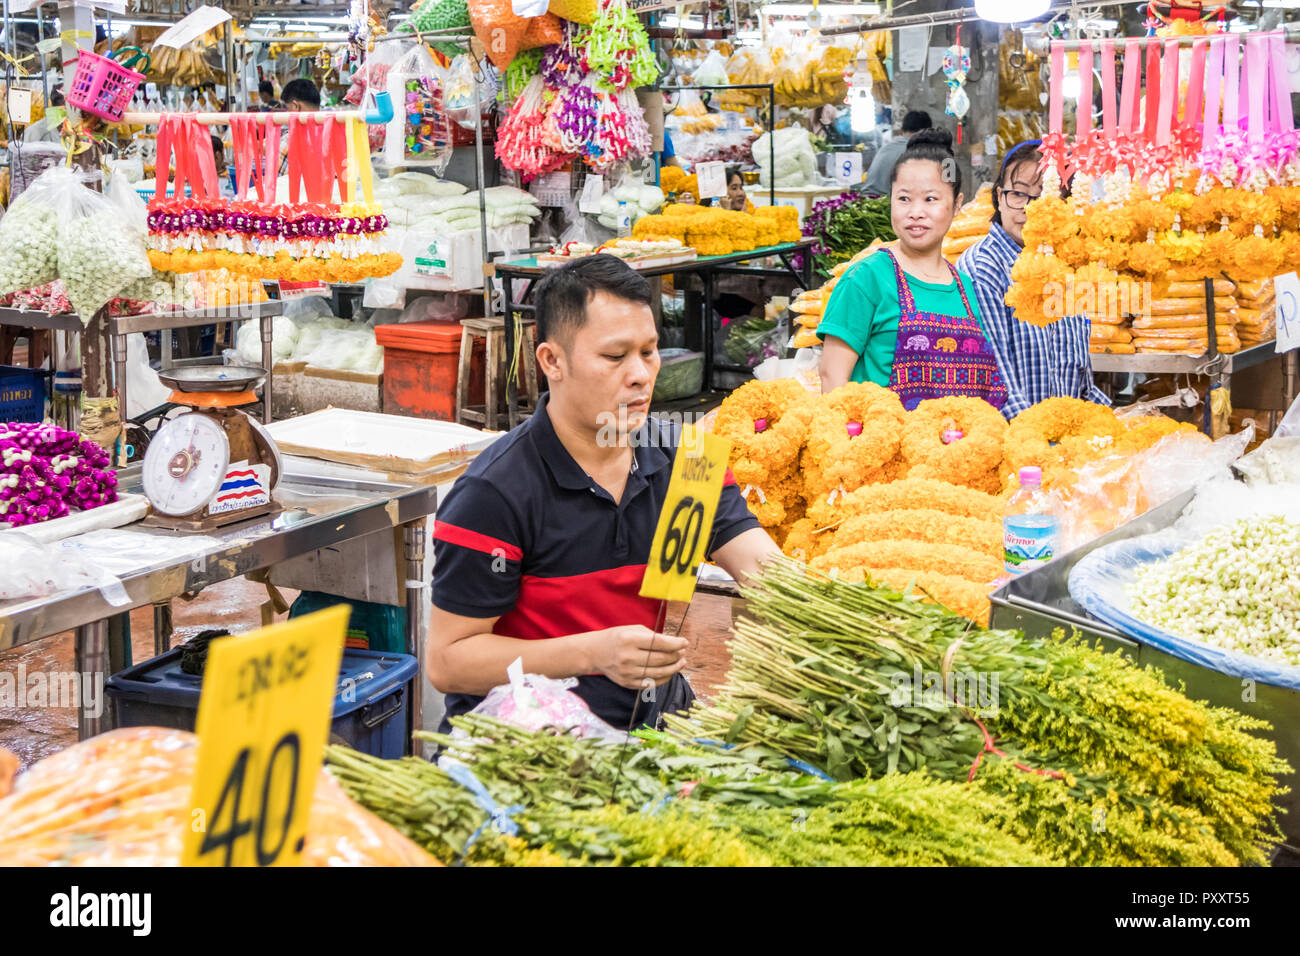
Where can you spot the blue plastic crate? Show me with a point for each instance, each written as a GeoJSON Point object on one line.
{"type": "Point", "coordinates": [22, 394]}
{"type": "Point", "coordinates": [371, 705]}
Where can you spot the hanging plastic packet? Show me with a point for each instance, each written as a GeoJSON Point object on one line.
{"type": "Point", "coordinates": [419, 132]}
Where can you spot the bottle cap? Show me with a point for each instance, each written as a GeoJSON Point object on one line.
{"type": "Point", "coordinates": [1031, 475]}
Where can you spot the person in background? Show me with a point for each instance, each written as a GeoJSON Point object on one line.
{"type": "Point", "coordinates": [225, 173]}
{"type": "Point", "coordinates": [266, 97]}
{"type": "Point", "coordinates": [669, 156]}
{"type": "Point", "coordinates": [904, 318]}
{"type": "Point", "coordinates": [1036, 363]}
{"type": "Point", "coordinates": [737, 200]}
{"type": "Point", "coordinates": [300, 96]}
{"type": "Point", "coordinates": [882, 167]}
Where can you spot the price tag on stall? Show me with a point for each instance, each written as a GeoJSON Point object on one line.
{"type": "Point", "coordinates": [686, 521]}
{"type": "Point", "coordinates": [848, 168]}
{"type": "Point", "coordinates": [264, 717]}
{"type": "Point", "coordinates": [1286, 289]}
{"type": "Point", "coordinates": [302, 290]}
{"type": "Point", "coordinates": [20, 106]}
{"type": "Point", "coordinates": [712, 178]}
{"type": "Point", "coordinates": [593, 188]}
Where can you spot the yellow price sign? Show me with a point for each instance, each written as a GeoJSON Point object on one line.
{"type": "Point", "coordinates": [686, 521]}
{"type": "Point", "coordinates": [264, 717]}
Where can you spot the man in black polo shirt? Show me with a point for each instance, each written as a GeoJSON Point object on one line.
{"type": "Point", "coordinates": [540, 547]}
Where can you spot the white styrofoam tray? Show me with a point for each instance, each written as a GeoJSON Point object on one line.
{"type": "Point", "coordinates": [393, 442]}
{"type": "Point", "coordinates": [123, 511]}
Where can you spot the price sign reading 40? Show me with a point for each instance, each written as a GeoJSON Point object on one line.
{"type": "Point", "coordinates": [686, 521]}
{"type": "Point", "coordinates": [263, 720]}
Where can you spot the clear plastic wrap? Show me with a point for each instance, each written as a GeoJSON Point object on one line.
{"type": "Point", "coordinates": [534, 703]}
{"type": "Point", "coordinates": [29, 237]}
{"type": "Point", "coordinates": [32, 569]}
{"type": "Point", "coordinates": [418, 132]}
{"type": "Point", "coordinates": [1178, 462]}
{"type": "Point", "coordinates": [123, 799]}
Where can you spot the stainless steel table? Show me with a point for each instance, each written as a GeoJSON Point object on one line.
{"type": "Point", "coordinates": [319, 512]}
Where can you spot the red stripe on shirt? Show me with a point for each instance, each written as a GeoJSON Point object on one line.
{"type": "Point", "coordinates": [574, 604]}
{"type": "Point", "coordinates": [474, 540]}
{"type": "Point", "coordinates": [729, 479]}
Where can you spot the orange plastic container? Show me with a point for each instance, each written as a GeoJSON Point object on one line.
{"type": "Point", "coordinates": [421, 362]}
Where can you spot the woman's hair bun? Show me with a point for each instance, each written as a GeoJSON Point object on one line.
{"type": "Point", "coordinates": [931, 137]}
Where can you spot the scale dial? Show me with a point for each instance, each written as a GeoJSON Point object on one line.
{"type": "Point", "coordinates": [185, 464]}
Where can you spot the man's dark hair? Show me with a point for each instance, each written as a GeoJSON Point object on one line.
{"type": "Point", "coordinates": [301, 90]}
{"type": "Point", "coordinates": [1026, 152]}
{"type": "Point", "coordinates": [933, 145]}
{"type": "Point", "coordinates": [563, 294]}
{"type": "Point", "coordinates": [266, 90]}
{"type": "Point", "coordinates": [915, 121]}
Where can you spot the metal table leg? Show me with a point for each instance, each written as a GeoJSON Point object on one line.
{"type": "Point", "coordinates": [162, 628]}
{"type": "Point", "coordinates": [119, 373]}
{"type": "Point", "coordinates": [264, 322]}
{"type": "Point", "coordinates": [706, 279]}
{"type": "Point", "coordinates": [416, 624]}
{"type": "Point", "coordinates": [512, 392]}
{"type": "Point", "coordinates": [91, 662]}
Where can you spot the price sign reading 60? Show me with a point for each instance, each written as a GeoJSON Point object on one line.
{"type": "Point", "coordinates": [686, 521]}
{"type": "Point", "coordinates": [263, 721]}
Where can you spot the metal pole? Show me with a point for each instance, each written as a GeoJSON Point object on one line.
{"type": "Point", "coordinates": [416, 625]}
{"type": "Point", "coordinates": [162, 628]}
{"type": "Point", "coordinates": [91, 661]}
{"type": "Point", "coordinates": [40, 35]}
{"type": "Point", "coordinates": [771, 143]}
{"type": "Point", "coordinates": [228, 53]}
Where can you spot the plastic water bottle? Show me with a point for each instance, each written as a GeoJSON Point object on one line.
{"type": "Point", "coordinates": [1029, 528]}
{"type": "Point", "coordinates": [624, 220]}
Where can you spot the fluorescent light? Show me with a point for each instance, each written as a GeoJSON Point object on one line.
{"type": "Point", "coordinates": [672, 21]}
{"type": "Point", "coordinates": [1281, 4]}
{"type": "Point", "coordinates": [862, 110]}
{"type": "Point", "coordinates": [1010, 11]}
{"type": "Point", "coordinates": [825, 9]}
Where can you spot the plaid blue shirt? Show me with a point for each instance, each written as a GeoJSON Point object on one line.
{"type": "Point", "coordinates": [1036, 363]}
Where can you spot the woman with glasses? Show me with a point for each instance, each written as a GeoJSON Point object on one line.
{"type": "Point", "coordinates": [1036, 363]}
{"type": "Point", "coordinates": [903, 317]}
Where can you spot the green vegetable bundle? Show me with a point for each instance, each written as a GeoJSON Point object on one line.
{"type": "Point", "coordinates": [432, 15]}
{"type": "Point", "coordinates": [1104, 763]}
{"type": "Point", "coordinates": [844, 226]}
{"type": "Point", "coordinates": [731, 808]}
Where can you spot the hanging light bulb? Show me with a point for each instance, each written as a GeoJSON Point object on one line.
{"type": "Point", "coordinates": [1010, 11]}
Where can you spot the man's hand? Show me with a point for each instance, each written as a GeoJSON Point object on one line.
{"type": "Point", "coordinates": [631, 654]}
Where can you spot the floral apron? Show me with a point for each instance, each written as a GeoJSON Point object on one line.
{"type": "Point", "coordinates": [941, 355]}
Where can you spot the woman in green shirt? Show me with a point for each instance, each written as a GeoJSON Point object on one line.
{"type": "Point", "coordinates": [904, 318]}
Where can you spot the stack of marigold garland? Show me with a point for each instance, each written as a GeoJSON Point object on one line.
{"type": "Point", "coordinates": [851, 481]}
{"type": "Point", "coordinates": [935, 743]}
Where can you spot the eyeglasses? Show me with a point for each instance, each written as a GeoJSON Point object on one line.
{"type": "Point", "coordinates": [1015, 199]}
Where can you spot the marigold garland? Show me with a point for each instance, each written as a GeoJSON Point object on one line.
{"type": "Point", "coordinates": [1035, 436]}
{"type": "Point", "coordinates": [767, 425]}
{"type": "Point", "coordinates": [955, 439]}
{"type": "Point", "coordinates": [854, 434]}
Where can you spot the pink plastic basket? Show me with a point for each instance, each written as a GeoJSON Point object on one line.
{"type": "Point", "coordinates": [102, 86]}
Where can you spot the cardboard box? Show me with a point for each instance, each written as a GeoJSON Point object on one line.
{"type": "Point", "coordinates": [320, 388]}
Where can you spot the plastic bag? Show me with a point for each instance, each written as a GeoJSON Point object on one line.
{"type": "Point", "coordinates": [99, 254]}
{"type": "Point", "coordinates": [1181, 461]}
{"type": "Point", "coordinates": [29, 237]}
{"type": "Point", "coordinates": [579, 11]}
{"type": "Point", "coordinates": [133, 209]}
{"type": "Point", "coordinates": [248, 340]}
{"type": "Point", "coordinates": [418, 131]}
{"type": "Point", "coordinates": [123, 799]}
{"type": "Point", "coordinates": [32, 569]}
{"type": "Point", "coordinates": [533, 702]}
{"type": "Point", "coordinates": [27, 161]}
{"type": "Point", "coordinates": [499, 29]}
{"type": "Point", "coordinates": [144, 390]}
{"type": "Point", "coordinates": [712, 72]}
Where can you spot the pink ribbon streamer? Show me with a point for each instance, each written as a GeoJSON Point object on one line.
{"type": "Point", "coordinates": [1084, 109]}
{"type": "Point", "coordinates": [1213, 92]}
{"type": "Point", "coordinates": [1153, 91]}
{"type": "Point", "coordinates": [1231, 82]}
{"type": "Point", "coordinates": [1196, 83]}
{"type": "Point", "coordinates": [1056, 96]}
{"type": "Point", "coordinates": [1108, 88]}
{"type": "Point", "coordinates": [1168, 94]}
{"type": "Point", "coordinates": [1282, 120]}
{"type": "Point", "coordinates": [1129, 92]}
{"type": "Point", "coordinates": [1256, 49]}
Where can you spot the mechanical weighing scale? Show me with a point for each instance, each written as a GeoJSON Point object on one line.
{"type": "Point", "coordinates": [214, 465]}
